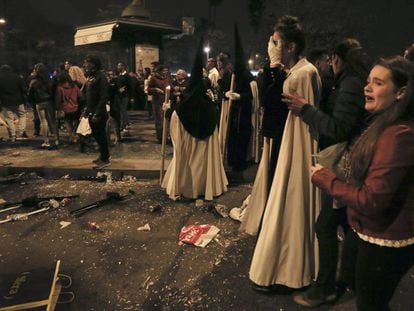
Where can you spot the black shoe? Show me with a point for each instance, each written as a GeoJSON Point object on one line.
{"type": "Point", "coordinates": [101, 164]}
{"type": "Point", "coordinates": [314, 297]}
{"type": "Point", "coordinates": [272, 289]}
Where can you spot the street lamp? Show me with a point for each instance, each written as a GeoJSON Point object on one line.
{"type": "Point", "coordinates": [207, 51]}
{"type": "Point", "coordinates": [250, 63]}
{"type": "Point", "coordinates": [2, 20]}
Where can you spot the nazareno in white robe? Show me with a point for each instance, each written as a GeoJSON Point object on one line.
{"type": "Point", "coordinates": [196, 168]}
{"type": "Point", "coordinates": [286, 250]}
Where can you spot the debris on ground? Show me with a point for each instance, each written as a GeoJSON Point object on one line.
{"type": "Point", "coordinates": [94, 226]}
{"type": "Point", "coordinates": [64, 224]}
{"type": "Point", "coordinates": [67, 176]}
{"type": "Point", "coordinates": [105, 177]}
{"type": "Point", "coordinates": [199, 203]}
{"type": "Point", "coordinates": [129, 178]}
{"type": "Point", "coordinates": [147, 283]}
{"type": "Point", "coordinates": [145, 227]}
{"type": "Point", "coordinates": [155, 208]}
{"type": "Point", "coordinates": [198, 235]}
{"type": "Point", "coordinates": [222, 210]}
{"type": "Point", "coordinates": [15, 154]}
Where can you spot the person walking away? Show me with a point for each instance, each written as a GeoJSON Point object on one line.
{"type": "Point", "coordinates": [96, 91]}
{"type": "Point", "coordinates": [378, 188]}
{"type": "Point", "coordinates": [12, 98]}
{"type": "Point", "coordinates": [40, 95]}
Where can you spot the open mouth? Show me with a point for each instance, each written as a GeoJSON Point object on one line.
{"type": "Point", "coordinates": [369, 98]}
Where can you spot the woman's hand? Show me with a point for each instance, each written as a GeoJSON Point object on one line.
{"type": "Point", "coordinates": [316, 168]}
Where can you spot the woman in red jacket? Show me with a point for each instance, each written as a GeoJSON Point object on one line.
{"type": "Point", "coordinates": [379, 191]}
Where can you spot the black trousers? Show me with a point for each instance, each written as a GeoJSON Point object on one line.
{"type": "Point", "coordinates": [326, 227]}
{"type": "Point", "coordinates": [374, 271]}
{"type": "Point", "coordinates": [99, 133]}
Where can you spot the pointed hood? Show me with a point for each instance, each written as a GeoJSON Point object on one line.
{"type": "Point", "coordinates": [239, 58]}
{"type": "Point", "coordinates": [196, 110]}
{"type": "Point", "coordinates": [241, 72]}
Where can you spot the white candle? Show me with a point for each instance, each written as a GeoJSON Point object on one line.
{"type": "Point", "coordinates": [167, 94]}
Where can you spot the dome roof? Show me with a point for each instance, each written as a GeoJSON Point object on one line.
{"type": "Point", "coordinates": [136, 9]}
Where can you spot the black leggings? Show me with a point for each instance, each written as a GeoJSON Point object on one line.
{"type": "Point", "coordinates": [374, 271]}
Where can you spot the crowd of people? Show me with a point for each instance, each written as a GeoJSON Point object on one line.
{"type": "Point", "coordinates": [332, 99]}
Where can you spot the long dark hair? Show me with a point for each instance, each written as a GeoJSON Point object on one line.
{"type": "Point", "coordinates": [41, 73]}
{"type": "Point", "coordinates": [355, 60]}
{"type": "Point", "coordinates": [402, 75]}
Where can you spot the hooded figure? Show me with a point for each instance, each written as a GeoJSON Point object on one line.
{"type": "Point", "coordinates": [196, 111]}
{"type": "Point", "coordinates": [240, 117]}
{"type": "Point", "coordinates": [196, 168]}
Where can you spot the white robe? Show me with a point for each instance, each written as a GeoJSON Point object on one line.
{"type": "Point", "coordinates": [196, 167]}
{"type": "Point", "coordinates": [286, 250]}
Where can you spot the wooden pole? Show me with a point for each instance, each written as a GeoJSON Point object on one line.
{"type": "Point", "coordinates": [226, 117]}
{"type": "Point", "coordinates": [164, 133]}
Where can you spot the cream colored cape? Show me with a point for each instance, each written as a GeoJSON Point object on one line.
{"type": "Point", "coordinates": [286, 249]}
{"type": "Point", "coordinates": [250, 221]}
{"type": "Point", "coordinates": [196, 167]}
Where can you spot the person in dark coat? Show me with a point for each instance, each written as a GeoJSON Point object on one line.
{"type": "Point", "coordinates": [96, 91]}
{"type": "Point", "coordinates": [113, 103]}
{"type": "Point", "coordinates": [342, 120]}
{"type": "Point", "coordinates": [123, 95]}
{"type": "Point", "coordinates": [12, 93]}
{"type": "Point", "coordinates": [156, 88]}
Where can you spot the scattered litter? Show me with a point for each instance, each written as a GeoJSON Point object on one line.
{"type": "Point", "coordinates": [129, 178]}
{"type": "Point", "coordinates": [104, 177]}
{"type": "Point", "coordinates": [222, 210]}
{"type": "Point", "coordinates": [156, 208]}
{"type": "Point", "coordinates": [64, 224]}
{"type": "Point", "coordinates": [198, 235]}
{"type": "Point", "coordinates": [54, 203]}
{"type": "Point", "coordinates": [94, 226]}
{"type": "Point", "coordinates": [65, 176]}
{"type": "Point", "coordinates": [65, 201]}
{"type": "Point", "coordinates": [237, 213]}
{"type": "Point", "coordinates": [145, 227]}
{"type": "Point", "coordinates": [199, 203]}
{"type": "Point", "coordinates": [222, 243]}
{"type": "Point", "coordinates": [16, 154]}
{"type": "Point", "coordinates": [147, 284]}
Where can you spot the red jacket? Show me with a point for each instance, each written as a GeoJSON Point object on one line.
{"type": "Point", "coordinates": [67, 97]}
{"type": "Point", "coordinates": [383, 207]}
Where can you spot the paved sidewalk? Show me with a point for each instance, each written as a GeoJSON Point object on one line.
{"type": "Point", "coordinates": [138, 154]}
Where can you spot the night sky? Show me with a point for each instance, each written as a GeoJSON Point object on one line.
{"type": "Point", "coordinates": [384, 27]}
